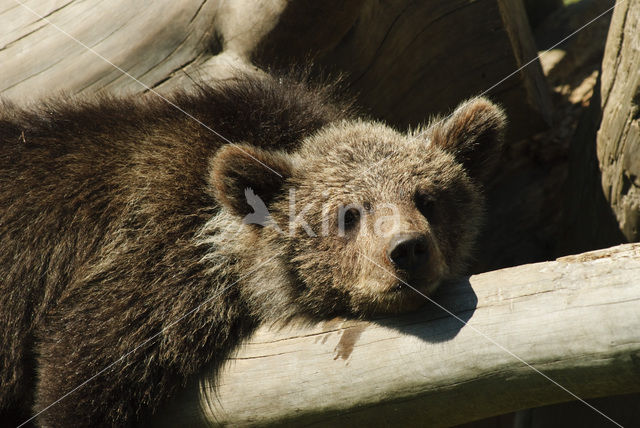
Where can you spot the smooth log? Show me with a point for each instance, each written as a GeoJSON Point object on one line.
{"type": "Point", "coordinates": [74, 46]}
{"type": "Point", "coordinates": [404, 60]}
{"type": "Point", "coordinates": [575, 319]}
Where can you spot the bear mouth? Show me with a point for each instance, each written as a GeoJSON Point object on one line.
{"type": "Point", "coordinates": [415, 287]}
{"type": "Point", "coordinates": [422, 284]}
{"type": "Point", "coordinates": [399, 299]}
{"type": "Point", "coordinates": [410, 295]}
{"type": "Point", "coordinates": [400, 287]}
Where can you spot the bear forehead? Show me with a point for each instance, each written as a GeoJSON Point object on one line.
{"type": "Point", "coordinates": [358, 142]}
{"type": "Point", "coordinates": [365, 157]}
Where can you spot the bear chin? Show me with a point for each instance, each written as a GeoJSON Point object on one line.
{"type": "Point", "coordinates": [402, 297]}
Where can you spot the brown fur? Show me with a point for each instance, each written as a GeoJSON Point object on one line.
{"type": "Point", "coordinates": [118, 217]}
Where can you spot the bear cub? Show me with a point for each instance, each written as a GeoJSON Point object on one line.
{"type": "Point", "coordinates": [139, 244]}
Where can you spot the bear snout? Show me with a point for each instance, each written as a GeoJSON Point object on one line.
{"type": "Point", "coordinates": [409, 252]}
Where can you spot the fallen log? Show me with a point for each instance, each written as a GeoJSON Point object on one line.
{"type": "Point", "coordinates": [506, 340]}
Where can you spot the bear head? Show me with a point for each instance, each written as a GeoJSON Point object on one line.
{"type": "Point", "coordinates": [365, 218]}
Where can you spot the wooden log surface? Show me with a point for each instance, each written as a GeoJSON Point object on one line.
{"type": "Point", "coordinates": [39, 56]}
{"type": "Point", "coordinates": [402, 59]}
{"type": "Point", "coordinates": [619, 135]}
{"type": "Point", "coordinates": [576, 319]}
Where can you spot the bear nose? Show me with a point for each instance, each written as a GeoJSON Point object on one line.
{"type": "Point", "coordinates": [408, 251]}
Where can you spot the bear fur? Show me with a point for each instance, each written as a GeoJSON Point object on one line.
{"type": "Point", "coordinates": [125, 264]}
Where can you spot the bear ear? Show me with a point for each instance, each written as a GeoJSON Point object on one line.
{"type": "Point", "coordinates": [474, 134]}
{"type": "Point", "coordinates": [243, 177]}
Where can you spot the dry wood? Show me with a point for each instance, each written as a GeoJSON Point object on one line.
{"type": "Point", "coordinates": [575, 319]}
{"type": "Point", "coordinates": [405, 60]}
{"type": "Point", "coordinates": [588, 220]}
{"type": "Point", "coordinates": [39, 56]}
{"type": "Point", "coordinates": [619, 134]}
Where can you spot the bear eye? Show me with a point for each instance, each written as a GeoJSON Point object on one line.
{"type": "Point", "coordinates": [351, 218]}
{"type": "Point", "coordinates": [426, 204]}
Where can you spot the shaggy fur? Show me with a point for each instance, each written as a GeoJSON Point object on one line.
{"type": "Point", "coordinates": [119, 217]}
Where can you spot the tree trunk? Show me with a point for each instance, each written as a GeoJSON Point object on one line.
{"type": "Point", "coordinates": [575, 320]}
{"type": "Point", "coordinates": [619, 134]}
{"type": "Point", "coordinates": [603, 192]}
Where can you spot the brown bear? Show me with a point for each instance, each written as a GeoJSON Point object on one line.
{"type": "Point", "coordinates": [127, 263]}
